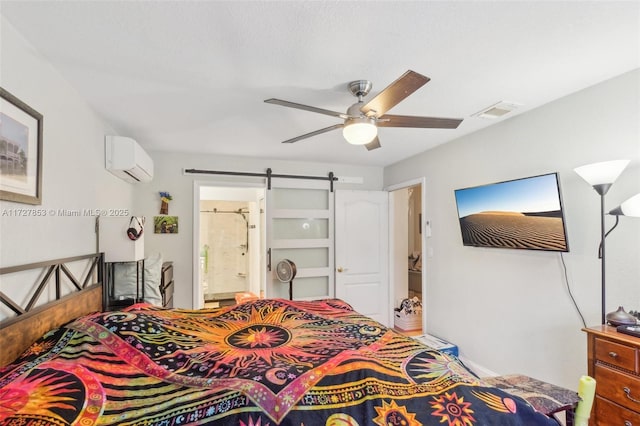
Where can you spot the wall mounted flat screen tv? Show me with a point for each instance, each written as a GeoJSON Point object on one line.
{"type": "Point", "coordinates": [519, 214]}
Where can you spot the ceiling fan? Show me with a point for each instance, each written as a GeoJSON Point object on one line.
{"type": "Point", "coordinates": [361, 121]}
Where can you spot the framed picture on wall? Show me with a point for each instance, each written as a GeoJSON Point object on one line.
{"type": "Point", "coordinates": [20, 151]}
{"type": "Point", "coordinates": [165, 224]}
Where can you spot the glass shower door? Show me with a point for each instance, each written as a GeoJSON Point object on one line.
{"type": "Point", "coordinates": [224, 252]}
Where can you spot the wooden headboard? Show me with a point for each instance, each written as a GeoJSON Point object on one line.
{"type": "Point", "coordinates": [17, 333]}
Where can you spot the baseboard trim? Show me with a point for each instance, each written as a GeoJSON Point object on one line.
{"type": "Point", "coordinates": [479, 370]}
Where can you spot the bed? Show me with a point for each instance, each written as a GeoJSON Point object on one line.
{"type": "Point", "coordinates": [263, 362]}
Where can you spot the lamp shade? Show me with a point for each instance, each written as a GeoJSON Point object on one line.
{"type": "Point", "coordinates": [359, 131]}
{"type": "Point", "coordinates": [631, 207]}
{"type": "Point", "coordinates": [602, 173]}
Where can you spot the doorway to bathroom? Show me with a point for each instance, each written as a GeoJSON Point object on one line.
{"type": "Point", "coordinates": [230, 238]}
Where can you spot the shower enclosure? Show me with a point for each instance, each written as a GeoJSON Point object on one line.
{"type": "Point", "coordinates": [224, 251]}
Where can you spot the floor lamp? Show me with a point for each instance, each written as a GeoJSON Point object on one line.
{"type": "Point", "coordinates": [601, 176]}
{"type": "Point", "coordinates": [631, 208]}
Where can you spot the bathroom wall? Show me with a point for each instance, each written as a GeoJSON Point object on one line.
{"type": "Point", "coordinates": [224, 247]}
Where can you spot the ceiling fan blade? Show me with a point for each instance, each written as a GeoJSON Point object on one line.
{"type": "Point", "coordinates": [374, 144]}
{"type": "Point", "coordinates": [390, 120]}
{"type": "Point", "coordinates": [306, 108]}
{"type": "Point", "coordinates": [393, 94]}
{"type": "Point", "coordinates": [317, 132]}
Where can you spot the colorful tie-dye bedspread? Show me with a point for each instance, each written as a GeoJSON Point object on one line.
{"type": "Point", "coordinates": [268, 362]}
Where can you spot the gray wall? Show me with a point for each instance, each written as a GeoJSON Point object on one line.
{"type": "Point", "coordinates": [74, 177]}
{"type": "Point", "coordinates": [509, 310]}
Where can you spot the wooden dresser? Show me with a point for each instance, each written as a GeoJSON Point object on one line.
{"type": "Point", "coordinates": [614, 361]}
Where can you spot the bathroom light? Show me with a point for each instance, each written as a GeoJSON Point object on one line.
{"type": "Point", "coordinates": [359, 131]}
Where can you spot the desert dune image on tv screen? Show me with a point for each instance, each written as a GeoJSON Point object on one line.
{"type": "Point", "coordinates": [520, 214]}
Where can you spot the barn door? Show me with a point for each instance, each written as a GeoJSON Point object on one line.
{"type": "Point", "coordinates": [300, 228]}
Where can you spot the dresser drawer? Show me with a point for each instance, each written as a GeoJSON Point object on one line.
{"type": "Point", "coordinates": [621, 356]}
{"type": "Point", "coordinates": [610, 414]}
{"type": "Point", "coordinates": [618, 387]}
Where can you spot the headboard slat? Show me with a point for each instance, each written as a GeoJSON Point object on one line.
{"type": "Point", "coordinates": [19, 332]}
{"type": "Point", "coordinates": [22, 331]}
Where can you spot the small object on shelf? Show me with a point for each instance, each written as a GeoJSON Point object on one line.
{"type": "Point", "coordinates": [633, 330]}
{"type": "Point", "coordinates": [620, 317]}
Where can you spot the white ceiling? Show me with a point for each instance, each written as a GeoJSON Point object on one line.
{"type": "Point", "coordinates": [192, 75]}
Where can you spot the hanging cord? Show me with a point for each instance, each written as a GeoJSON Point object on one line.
{"type": "Point", "coordinates": [566, 280]}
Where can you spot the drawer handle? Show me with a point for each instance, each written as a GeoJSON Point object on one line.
{"type": "Point", "coordinates": [627, 391]}
{"type": "Point", "coordinates": [613, 354]}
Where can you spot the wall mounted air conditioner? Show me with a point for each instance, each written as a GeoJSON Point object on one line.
{"type": "Point", "coordinates": [127, 160]}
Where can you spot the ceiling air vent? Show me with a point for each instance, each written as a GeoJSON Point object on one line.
{"type": "Point", "coordinates": [497, 110]}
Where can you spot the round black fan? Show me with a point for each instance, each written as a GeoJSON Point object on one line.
{"type": "Point", "coordinates": [286, 272]}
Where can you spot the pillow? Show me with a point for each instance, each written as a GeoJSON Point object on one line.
{"type": "Point", "coordinates": [124, 278]}
{"type": "Point", "coordinates": [152, 279]}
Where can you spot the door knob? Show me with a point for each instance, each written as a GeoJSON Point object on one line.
{"type": "Point", "coordinates": [341, 269]}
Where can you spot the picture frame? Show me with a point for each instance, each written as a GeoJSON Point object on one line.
{"type": "Point", "coordinates": [165, 224]}
{"type": "Point", "coordinates": [20, 151]}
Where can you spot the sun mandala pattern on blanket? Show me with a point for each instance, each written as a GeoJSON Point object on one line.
{"type": "Point", "coordinates": [263, 363]}
{"type": "Point", "coordinates": [272, 352]}
{"type": "Point", "coordinates": [53, 390]}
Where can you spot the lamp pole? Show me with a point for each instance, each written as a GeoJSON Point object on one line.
{"type": "Point", "coordinates": [602, 190]}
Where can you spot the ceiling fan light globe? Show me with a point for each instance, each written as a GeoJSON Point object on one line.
{"type": "Point", "coordinates": [359, 131]}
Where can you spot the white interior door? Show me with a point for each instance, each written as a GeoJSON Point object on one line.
{"type": "Point", "coordinates": [362, 252]}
